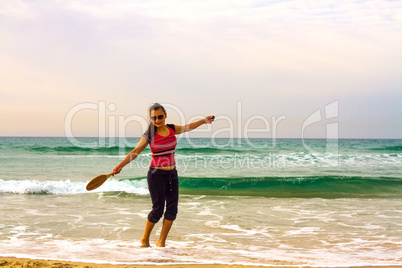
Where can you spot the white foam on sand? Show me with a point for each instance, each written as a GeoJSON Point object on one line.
{"type": "Point", "coordinates": [188, 252]}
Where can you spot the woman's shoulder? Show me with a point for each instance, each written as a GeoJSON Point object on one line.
{"type": "Point", "coordinates": [172, 126]}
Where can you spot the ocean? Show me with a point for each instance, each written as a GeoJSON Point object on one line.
{"type": "Point", "coordinates": [313, 202]}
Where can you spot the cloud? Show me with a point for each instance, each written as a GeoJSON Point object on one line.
{"type": "Point", "coordinates": [290, 56]}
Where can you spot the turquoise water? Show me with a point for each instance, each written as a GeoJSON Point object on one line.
{"type": "Point", "coordinates": [257, 201]}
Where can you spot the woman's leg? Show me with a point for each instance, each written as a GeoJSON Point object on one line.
{"type": "Point", "coordinates": [172, 200]}
{"type": "Point", "coordinates": [157, 194]}
{"type": "Point", "coordinates": [164, 233]}
{"type": "Point", "coordinates": [148, 229]}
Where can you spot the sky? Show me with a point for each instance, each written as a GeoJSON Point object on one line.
{"type": "Point", "coordinates": [274, 69]}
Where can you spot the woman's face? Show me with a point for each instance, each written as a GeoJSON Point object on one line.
{"type": "Point", "coordinates": [158, 117]}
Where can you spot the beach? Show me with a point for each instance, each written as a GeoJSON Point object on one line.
{"type": "Point", "coordinates": [29, 263]}
{"type": "Point", "coordinates": [20, 262]}
{"type": "Point", "coordinates": [287, 116]}
{"type": "Point", "coordinates": [240, 204]}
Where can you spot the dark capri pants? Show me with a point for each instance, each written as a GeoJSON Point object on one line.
{"type": "Point", "coordinates": [164, 189]}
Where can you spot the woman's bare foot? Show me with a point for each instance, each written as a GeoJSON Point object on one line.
{"type": "Point", "coordinates": [144, 242]}
{"type": "Point", "coordinates": [160, 244]}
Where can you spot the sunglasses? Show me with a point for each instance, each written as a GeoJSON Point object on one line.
{"type": "Point", "coordinates": [160, 117]}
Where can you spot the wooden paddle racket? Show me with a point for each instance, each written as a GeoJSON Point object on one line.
{"type": "Point", "coordinates": [98, 181]}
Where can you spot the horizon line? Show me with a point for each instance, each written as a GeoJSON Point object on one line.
{"type": "Point", "coordinates": [316, 138]}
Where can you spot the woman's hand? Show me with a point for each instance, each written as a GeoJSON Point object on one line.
{"type": "Point", "coordinates": [209, 119]}
{"type": "Point", "coordinates": [117, 169]}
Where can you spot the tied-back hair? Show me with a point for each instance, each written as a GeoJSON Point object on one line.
{"type": "Point", "coordinates": [152, 128]}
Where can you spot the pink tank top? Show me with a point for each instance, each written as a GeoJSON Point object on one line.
{"type": "Point", "coordinates": [163, 148]}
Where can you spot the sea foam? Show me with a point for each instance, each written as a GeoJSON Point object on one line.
{"type": "Point", "coordinates": [68, 187]}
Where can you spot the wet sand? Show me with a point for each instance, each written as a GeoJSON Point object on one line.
{"type": "Point", "coordinates": [31, 263]}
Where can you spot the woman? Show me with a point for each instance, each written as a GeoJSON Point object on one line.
{"type": "Point", "coordinates": [163, 181]}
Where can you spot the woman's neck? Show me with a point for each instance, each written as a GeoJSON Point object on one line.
{"type": "Point", "coordinates": [162, 128]}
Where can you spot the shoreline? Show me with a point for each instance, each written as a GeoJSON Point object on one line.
{"type": "Point", "coordinates": [11, 262]}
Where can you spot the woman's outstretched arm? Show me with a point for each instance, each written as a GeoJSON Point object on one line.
{"type": "Point", "coordinates": [132, 155]}
{"type": "Point", "coordinates": [188, 127]}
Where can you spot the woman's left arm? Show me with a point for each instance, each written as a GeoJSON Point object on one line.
{"type": "Point", "coordinates": [207, 120]}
